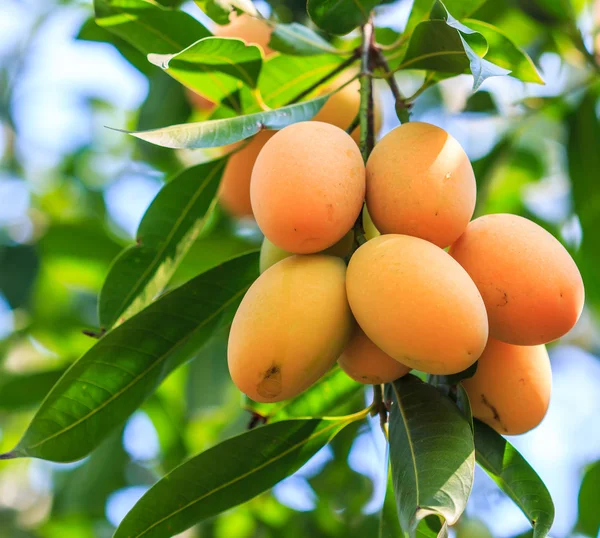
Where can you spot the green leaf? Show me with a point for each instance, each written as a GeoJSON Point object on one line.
{"type": "Point", "coordinates": [227, 475]}
{"type": "Point", "coordinates": [389, 523]}
{"type": "Point", "coordinates": [333, 389]}
{"type": "Point", "coordinates": [459, 8]}
{"type": "Point", "coordinates": [515, 477]}
{"type": "Point", "coordinates": [481, 102]}
{"type": "Point", "coordinates": [215, 133]}
{"type": "Point", "coordinates": [149, 27]}
{"type": "Point", "coordinates": [19, 265]}
{"type": "Point", "coordinates": [220, 10]}
{"type": "Point", "coordinates": [340, 16]}
{"type": "Point", "coordinates": [169, 227]}
{"type": "Point", "coordinates": [213, 66]}
{"type": "Point", "coordinates": [503, 52]}
{"type": "Point", "coordinates": [432, 453]}
{"type": "Point", "coordinates": [588, 522]}
{"type": "Point", "coordinates": [584, 160]}
{"type": "Point", "coordinates": [22, 391]}
{"type": "Point", "coordinates": [100, 390]}
{"type": "Point", "coordinates": [284, 77]}
{"type": "Point", "coordinates": [297, 39]}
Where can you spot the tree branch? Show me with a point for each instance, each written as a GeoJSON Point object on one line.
{"type": "Point", "coordinates": [401, 104]}
{"type": "Point", "coordinates": [367, 126]}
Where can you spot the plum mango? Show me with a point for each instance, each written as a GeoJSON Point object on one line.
{"type": "Point", "coordinates": [252, 30]}
{"type": "Point", "coordinates": [307, 187]}
{"type": "Point", "coordinates": [420, 182]}
{"type": "Point", "coordinates": [511, 389]}
{"type": "Point", "coordinates": [417, 304]}
{"type": "Point", "coordinates": [364, 362]}
{"type": "Point", "coordinates": [291, 327]}
{"type": "Point", "coordinates": [530, 285]}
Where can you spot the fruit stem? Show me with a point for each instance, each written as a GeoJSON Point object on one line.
{"type": "Point", "coordinates": [337, 70]}
{"type": "Point", "coordinates": [401, 104]}
{"type": "Point", "coordinates": [367, 124]}
{"type": "Point", "coordinates": [378, 406]}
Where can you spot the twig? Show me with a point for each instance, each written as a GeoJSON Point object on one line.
{"type": "Point", "coordinates": [401, 105]}
{"type": "Point", "coordinates": [378, 406]}
{"type": "Point", "coordinates": [367, 124]}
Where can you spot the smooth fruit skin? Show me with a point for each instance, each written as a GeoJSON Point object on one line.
{"type": "Point", "coordinates": [252, 30]}
{"type": "Point", "coordinates": [307, 187]}
{"type": "Point", "coordinates": [511, 389]}
{"type": "Point", "coordinates": [290, 328]}
{"type": "Point", "coordinates": [364, 362]}
{"type": "Point", "coordinates": [420, 182]}
{"type": "Point", "coordinates": [271, 254]}
{"type": "Point", "coordinates": [417, 304]}
{"type": "Point", "coordinates": [530, 285]}
{"type": "Point", "coordinates": [234, 191]}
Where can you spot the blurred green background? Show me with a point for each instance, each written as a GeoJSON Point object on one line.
{"type": "Point", "coordinates": [72, 194]}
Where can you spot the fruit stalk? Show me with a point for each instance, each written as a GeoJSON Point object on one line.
{"type": "Point", "coordinates": [400, 104]}
{"type": "Point", "coordinates": [367, 123]}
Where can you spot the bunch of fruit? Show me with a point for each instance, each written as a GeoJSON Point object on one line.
{"type": "Point", "coordinates": [504, 289]}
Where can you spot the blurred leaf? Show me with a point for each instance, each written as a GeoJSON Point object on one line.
{"type": "Point", "coordinates": [100, 390]}
{"type": "Point", "coordinates": [481, 102]}
{"type": "Point", "coordinates": [548, 11]}
{"type": "Point", "coordinates": [285, 77]}
{"type": "Point", "coordinates": [588, 521]}
{"type": "Point", "coordinates": [340, 16]}
{"type": "Point", "coordinates": [297, 39]}
{"type": "Point", "coordinates": [220, 10]}
{"type": "Point", "coordinates": [503, 52]}
{"type": "Point", "coordinates": [453, 379]}
{"type": "Point", "coordinates": [19, 266]}
{"type": "Point", "coordinates": [228, 474]}
{"type": "Point", "coordinates": [459, 8]}
{"type": "Point", "coordinates": [149, 27]}
{"type": "Point", "coordinates": [169, 227]}
{"type": "Point", "coordinates": [389, 523]}
{"type": "Point", "coordinates": [334, 388]}
{"type": "Point", "coordinates": [431, 452]}
{"type": "Point", "coordinates": [22, 391]}
{"type": "Point", "coordinates": [213, 66]}
{"type": "Point", "coordinates": [215, 133]}
{"type": "Point", "coordinates": [515, 477]}
{"type": "Point", "coordinates": [584, 160]}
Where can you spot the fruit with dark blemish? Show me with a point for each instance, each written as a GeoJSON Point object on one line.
{"type": "Point", "coordinates": [290, 328]}
{"type": "Point", "coordinates": [530, 285]}
{"type": "Point", "coordinates": [511, 389]}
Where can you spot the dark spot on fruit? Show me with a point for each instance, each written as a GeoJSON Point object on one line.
{"type": "Point", "coordinates": [494, 411]}
{"type": "Point", "coordinates": [504, 299]}
{"type": "Point", "coordinates": [270, 386]}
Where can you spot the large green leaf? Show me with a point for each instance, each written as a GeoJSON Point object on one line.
{"type": "Point", "coordinates": [515, 477]}
{"type": "Point", "coordinates": [584, 162]}
{"type": "Point", "coordinates": [333, 389]}
{"type": "Point", "coordinates": [213, 66]}
{"type": "Point", "coordinates": [299, 40]}
{"type": "Point", "coordinates": [215, 133]}
{"type": "Point", "coordinates": [220, 10]}
{"type": "Point", "coordinates": [22, 391]}
{"type": "Point", "coordinates": [459, 8]}
{"type": "Point", "coordinates": [503, 52]}
{"type": "Point", "coordinates": [431, 452]}
{"type": "Point", "coordinates": [588, 521]}
{"type": "Point", "coordinates": [228, 474]}
{"type": "Point", "coordinates": [168, 229]}
{"type": "Point", "coordinates": [100, 390]}
{"type": "Point", "coordinates": [340, 16]}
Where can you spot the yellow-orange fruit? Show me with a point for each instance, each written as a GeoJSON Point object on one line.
{"type": "Point", "coordinates": [370, 230]}
{"type": "Point", "coordinates": [271, 254]}
{"type": "Point", "coordinates": [420, 182]}
{"type": "Point", "coordinates": [234, 190]}
{"type": "Point", "coordinates": [307, 187]}
{"type": "Point", "coordinates": [252, 30]}
{"type": "Point", "coordinates": [511, 389]}
{"type": "Point", "coordinates": [198, 101]}
{"type": "Point", "coordinates": [417, 304]}
{"type": "Point", "coordinates": [530, 285]}
{"type": "Point", "coordinates": [290, 328]}
{"type": "Point", "coordinates": [364, 362]}
{"type": "Point", "coordinates": [342, 107]}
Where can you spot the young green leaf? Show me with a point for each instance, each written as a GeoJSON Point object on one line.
{"type": "Point", "coordinates": [432, 454]}
{"type": "Point", "coordinates": [227, 475]}
{"type": "Point", "coordinates": [389, 523]}
{"type": "Point", "coordinates": [220, 10]}
{"type": "Point", "coordinates": [297, 39]}
{"type": "Point", "coordinates": [504, 53]}
{"type": "Point", "coordinates": [515, 477]}
{"type": "Point", "coordinates": [215, 133]}
{"type": "Point", "coordinates": [340, 17]}
{"type": "Point", "coordinates": [588, 521]}
{"type": "Point", "coordinates": [168, 229]}
{"type": "Point", "coordinates": [333, 389]}
{"type": "Point", "coordinates": [213, 66]}
{"type": "Point", "coordinates": [100, 390]}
